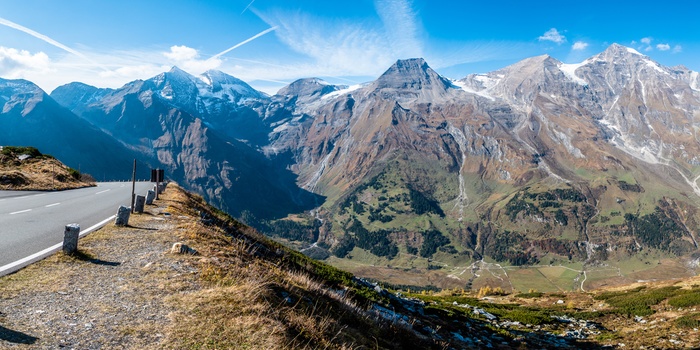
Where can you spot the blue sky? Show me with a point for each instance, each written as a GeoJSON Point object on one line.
{"type": "Point", "coordinates": [109, 43]}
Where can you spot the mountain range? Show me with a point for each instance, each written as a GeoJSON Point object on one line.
{"type": "Point", "coordinates": [540, 162]}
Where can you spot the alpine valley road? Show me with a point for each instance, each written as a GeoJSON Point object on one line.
{"type": "Point", "coordinates": [32, 223]}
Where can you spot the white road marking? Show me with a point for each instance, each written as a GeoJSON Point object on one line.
{"type": "Point", "coordinates": [103, 191]}
{"type": "Point", "coordinates": [52, 205]}
{"type": "Point", "coordinates": [11, 267]}
{"type": "Point", "coordinates": [21, 211]}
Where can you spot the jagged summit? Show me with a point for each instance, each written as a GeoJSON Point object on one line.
{"type": "Point", "coordinates": [411, 73]}
{"type": "Point", "coordinates": [408, 66]}
{"type": "Point", "coordinates": [618, 49]}
{"type": "Point", "coordinates": [177, 70]}
{"type": "Point", "coordinates": [174, 74]}
{"type": "Point", "coordinates": [308, 87]}
{"type": "Point", "coordinates": [412, 78]}
{"type": "Point", "coordinates": [617, 54]}
{"type": "Point", "coordinates": [220, 81]}
{"type": "Point", "coordinates": [529, 66]}
{"type": "Point", "coordinates": [18, 85]}
{"type": "Point", "coordinates": [19, 94]}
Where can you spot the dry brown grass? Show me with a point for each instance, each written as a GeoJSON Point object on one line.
{"type": "Point", "coordinates": [37, 175]}
{"type": "Point", "coordinates": [240, 291]}
{"type": "Point", "coordinates": [254, 297]}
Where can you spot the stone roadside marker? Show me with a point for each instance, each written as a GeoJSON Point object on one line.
{"type": "Point", "coordinates": [150, 196]}
{"type": "Point", "coordinates": [123, 214]}
{"type": "Point", "coordinates": [139, 204]}
{"type": "Point", "coordinates": [70, 238]}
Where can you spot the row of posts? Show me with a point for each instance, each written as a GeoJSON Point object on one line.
{"type": "Point", "coordinates": [72, 231]}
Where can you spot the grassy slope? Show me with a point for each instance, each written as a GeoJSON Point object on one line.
{"type": "Point", "coordinates": [40, 172]}
{"type": "Point", "coordinates": [620, 265]}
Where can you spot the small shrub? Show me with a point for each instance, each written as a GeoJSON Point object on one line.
{"type": "Point", "coordinates": [74, 173]}
{"type": "Point", "coordinates": [685, 300]}
{"type": "Point", "coordinates": [533, 294]}
{"type": "Point", "coordinates": [607, 336]}
{"type": "Point", "coordinates": [688, 321]}
{"type": "Point", "coordinates": [486, 291]}
{"type": "Point", "coordinates": [528, 316]}
{"type": "Point", "coordinates": [638, 301]}
{"type": "Point", "coordinates": [12, 150]}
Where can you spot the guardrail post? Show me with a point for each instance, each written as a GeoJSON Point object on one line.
{"type": "Point", "coordinates": [123, 214]}
{"type": "Point", "coordinates": [139, 204]}
{"type": "Point", "coordinates": [70, 238]}
{"type": "Point", "coordinates": [150, 196]}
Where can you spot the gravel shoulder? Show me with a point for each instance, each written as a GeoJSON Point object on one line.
{"type": "Point", "coordinates": [112, 295]}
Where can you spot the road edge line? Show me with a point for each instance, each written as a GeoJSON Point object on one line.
{"type": "Point", "coordinates": [24, 262]}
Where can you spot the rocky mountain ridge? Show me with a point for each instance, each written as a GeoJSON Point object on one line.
{"type": "Point", "coordinates": [539, 161]}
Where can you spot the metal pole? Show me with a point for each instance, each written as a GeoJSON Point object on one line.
{"type": "Point", "coordinates": [133, 187]}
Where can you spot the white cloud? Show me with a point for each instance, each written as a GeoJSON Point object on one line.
{"type": "Point", "coordinates": [553, 35]}
{"type": "Point", "coordinates": [133, 72]}
{"type": "Point", "coordinates": [647, 40]}
{"type": "Point", "coordinates": [189, 60]}
{"type": "Point", "coordinates": [44, 38]}
{"type": "Point", "coordinates": [16, 63]}
{"type": "Point", "coordinates": [677, 49]}
{"type": "Point", "coordinates": [663, 47]}
{"type": "Point", "coordinates": [401, 26]}
{"type": "Point", "coordinates": [648, 48]}
{"type": "Point", "coordinates": [579, 45]}
{"type": "Point", "coordinates": [181, 53]}
{"type": "Point", "coordinates": [332, 47]}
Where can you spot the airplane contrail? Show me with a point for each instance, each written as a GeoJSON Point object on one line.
{"type": "Point", "coordinates": [247, 6]}
{"type": "Point", "coordinates": [45, 38]}
{"type": "Point", "coordinates": [242, 43]}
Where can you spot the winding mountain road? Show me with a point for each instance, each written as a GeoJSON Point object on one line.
{"type": "Point", "coordinates": [32, 223]}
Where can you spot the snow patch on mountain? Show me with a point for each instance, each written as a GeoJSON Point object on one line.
{"type": "Point", "coordinates": [694, 81]}
{"type": "Point", "coordinates": [487, 81]}
{"type": "Point", "coordinates": [570, 71]}
{"type": "Point", "coordinates": [461, 85]}
{"type": "Point", "coordinates": [205, 79]}
{"type": "Point", "coordinates": [343, 92]}
{"type": "Point", "coordinates": [633, 51]}
{"type": "Point", "coordinates": [655, 66]}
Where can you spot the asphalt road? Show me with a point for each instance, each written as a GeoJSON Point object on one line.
{"type": "Point", "coordinates": [32, 223]}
